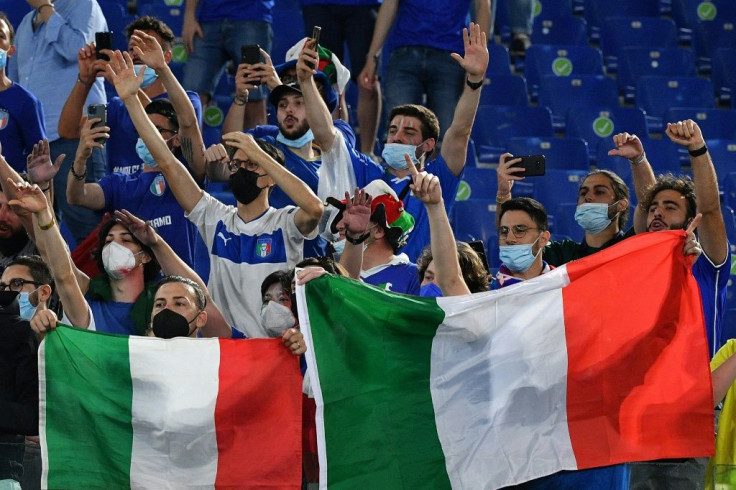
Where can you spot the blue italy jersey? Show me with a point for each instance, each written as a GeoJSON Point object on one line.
{"type": "Point", "coordinates": [21, 124]}
{"type": "Point", "coordinates": [399, 276]}
{"type": "Point", "coordinates": [712, 281]}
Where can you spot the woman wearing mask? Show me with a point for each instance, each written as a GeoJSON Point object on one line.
{"type": "Point", "coordinates": [119, 300]}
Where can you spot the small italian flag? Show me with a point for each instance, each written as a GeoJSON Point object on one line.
{"type": "Point", "coordinates": [142, 412]}
{"type": "Point", "coordinates": [598, 362]}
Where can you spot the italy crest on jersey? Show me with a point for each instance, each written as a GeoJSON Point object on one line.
{"type": "Point", "coordinates": [158, 186]}
{"type": "Point", "coordinates": [4, 118]}
{"type": "Point", "coordinates": [263, 247]}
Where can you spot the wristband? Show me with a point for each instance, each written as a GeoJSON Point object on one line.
{"type": "Point", "coordinates": [79, 79]}
{"type": "Point", "coordinates": [49, 225]}
{"type": "Point", "coordinates": [238, 100]}
{"type": "Point", "coordinates": [76, 175]}
{"type": "Point", "coordinates": [357, 241]}
{"type": "Point", "coordinates": [639, 159]}
{"type": "Point", "coordinates": [473, 85]}
{"type": "Point", "coordinates": [502, 199]}
{"type": "Point", "coordinates": [700, 151]}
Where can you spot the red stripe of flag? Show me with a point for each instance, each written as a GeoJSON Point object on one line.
{"type": "Point", "coordinates": [638, 374]}
{"type": "Point", "coordinates": [258, 416]}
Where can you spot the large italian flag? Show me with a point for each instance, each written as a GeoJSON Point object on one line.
{"type": "Point", "coordinates": [141, 412]}
{"type": "Point", "coordinates": [602, 361]}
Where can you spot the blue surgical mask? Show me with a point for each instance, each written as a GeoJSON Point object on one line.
{"type": "Point", "coordinates": [297, 143]}
{"type": "Point", "coordinates": [393, 155]}
{"type": "Point", "coordinates": [430, 290]}
{"type": "Point", "coordinates": [144, 154]}
{"type": "Point", "coordinates": [26, 308]}
{"type": "Point", "coordinates": [518, 258]}
{"type": "Point", "coordinates": [3, 58]}
{"type": "Point", "coordinates": [149, 76]}
{"type": "Point", "coordinates": [339, 247]}
{"type": "Point", "coordinates": [593, 217]}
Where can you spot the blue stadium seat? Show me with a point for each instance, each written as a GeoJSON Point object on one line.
{"type": "Point", "coordinates": [620, 32]}
{"type": "Point", "coordinates": [595, 124]}
{"type": "Point", "coordinates": [709, 36]}
{"type": "Point", "coordinates": [657, 94]}
{"type": "Point", "coordinates": [478, 183]}
{"type": "Point", "coordinates": [471, 157]}
{"type": "Point", "coordinates": [552, 9]}
{"type": "Point", "coordinates": [173, 16]}
{"type": "Point", "coordinates": [562, 93]}
{"type": "Point", "coordinates": [15, 11]}
{"type": "Point", "coordinates": [634, 62]}
{"type": "Point", "coordinates": [723, 72]}
{"type": "Point", "coordinates": [560, 30]}
{"type": "Point", "coordinates": [565, 223]}
{"type": "Point", "coordinates": [504, 90]}
{"type": "Point", "coordinates": [560, 153]}
{"type": "Point", "coordinates": [619, 166]}
{"type": "Point", "coordinates": [723, 154]}
{"type": "Point", "coordinates": [475, 219]}
{"type": "Point", "coordinates": [560, 186]}
{"type": "Point", "coordinates": [665, 156]}
{"type": "Point", "coordinates": [689, 13]}
{"type": "Point", "coordinates": [714, 123]}
{"type": "Point", "coordinates": [729, 191]}
{"type": "Point", "coordinates": [598, 12]}
{"type": "Point", "coordinates": [499, 62]}
{"type": "Point", "coordinates": [494, 125]}
{"type": "Point", "coordinates": [212, 118]}
{"type": "Point", "coordinates": [561, 61]}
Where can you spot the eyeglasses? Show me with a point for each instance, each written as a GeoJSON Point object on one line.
{"type": "Point", "coordinates": [519, 231]}
{"type": "Point", "coordinates": [16, 284]}
{"type": "Point", "coordinates": [234, 164]}
{"type": "Point", "coordinates": [166, 130]}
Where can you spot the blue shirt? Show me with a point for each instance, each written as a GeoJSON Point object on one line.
{"type": "Point", "coordinates": [712, 281]}
{"type": "Point", "coordinates": [21, 124]}
{"type": "Point", "coordinates": [148, 196]}
{"type": "Point", "coordinates": [433, 23]}
{"type": "Point", "coordinates": [344, 3]}
{"type": "Point", "coordinates": [399, 278]}
{"type": "Point", "coordinates": [121, 154]}
{"type": "Point", "coordinates": [113, 317]}
{"type": "Point", "coordinates": [419, 236]}
{"type": "Point", "coordinates": [217, 10]}
{"type": "Point", "coordinates": [45, 61]}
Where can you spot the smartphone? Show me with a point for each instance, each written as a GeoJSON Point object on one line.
{"type": "Point", "coordinates": [103, 40]}
{"type": "Point", "coordinates": [250, 54]}
{"type": "Point", "coordinates": [98, 110]}
{"type": "Point", "coordinates": [315, 36]}
{"type": "Point", "coordinates": [535, 165]}
{"type": "Point", "coordinates": [480, 249]}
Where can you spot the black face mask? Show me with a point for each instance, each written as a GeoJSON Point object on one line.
{"type": "Point", "coordinates": [244, 185]}
{"type": "Point", "coordinates": [168, 324]}
{"type": "Point", "coordinates": [7, 298]}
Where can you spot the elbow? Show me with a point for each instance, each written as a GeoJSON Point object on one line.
{"type": "Point", "coordinates": [315, 210]}
{"type": "Point", "coordinates": [72, 197]}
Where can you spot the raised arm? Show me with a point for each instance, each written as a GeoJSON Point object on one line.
{"type": "Point", "coordinates": [54, 252]}
{"type": "Point", "coordinates": [355, 218]}
{"type": "Point", "coordinates": [384, 21]}
{"type": "Point", "coordinates": [127, 82]}
{"type": "Point", "coordinates": [449, 276]}
{"type": "Point", "coordinates": [318, 115]}
{"type": "Point", "coordinates": [79, 192]}
{"type": "Point", "coordinates": [149, 51]}
{"type": "Point", "coordinates": [629, 146]}
{"type": "Point", "coordinates": [310, 207]}
{"type": "Point", "coordinates": [73, 108]}
{"type": "Point", "coordinates": [172, 265]}
{"type": "Point", "coordinates": [455, 144]}
{"type": "Point", "coordinates": [712, 230]}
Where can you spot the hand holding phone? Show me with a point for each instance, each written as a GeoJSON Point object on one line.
{"type": "Point", "coordinates": [98, 111]}
{"type": "Point", "coordinates": [250, 54]}
{"type": "Point", "coordinates": [314, 42]}
{"type": "Point", "coordinates": [103, 40]}
{"type": "Point", "coordinates": [533, 165]}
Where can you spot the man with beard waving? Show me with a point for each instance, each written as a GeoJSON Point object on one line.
{"type": "Point", "coordinates": [248, 241]}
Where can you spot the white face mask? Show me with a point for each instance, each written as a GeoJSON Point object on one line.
{"type": "Point", "coordinates": [276, 318]}
{"type": "Point", "coordinates": [118, 260]}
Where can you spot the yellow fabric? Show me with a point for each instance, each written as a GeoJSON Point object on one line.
{"type": "Point", "coordinates": [725, 447]}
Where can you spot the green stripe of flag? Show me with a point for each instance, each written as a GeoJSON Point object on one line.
{"type": "Point", "coordinates": [76, 362]}
{"type": "Point", "coordinates": [360, 403]}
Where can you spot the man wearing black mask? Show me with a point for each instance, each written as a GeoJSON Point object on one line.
{"type": "Point", "coordinates": [248, 241]}
{"type": "Point", "coordinates": [18, 388]}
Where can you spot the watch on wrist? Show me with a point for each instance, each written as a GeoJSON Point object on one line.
{"type": "Point", "coordinates": [474, 85]}
{"type": "Point", "coordinates": [700, 151]}
{"type": "Point", "coordinates": [357, 241]}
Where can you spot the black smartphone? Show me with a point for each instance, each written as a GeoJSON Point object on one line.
{"type": "Point", "coordinates": [100, 111]}
{"type": "Point", "coordinates": [535, 165]}
{"type": "Point", "coordinates": [480, 249]}
{"type": "Point", "coordinates": [315, 36]}
{"type": "Point", "coordinates": [103, 40]}
{"type": "Point", "coordinates": [250, 54]}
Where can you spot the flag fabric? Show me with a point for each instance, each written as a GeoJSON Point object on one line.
{"type": "Point", "coordinates": [143, 412]}
{"type": "Point", "coordinates": [599, 362]}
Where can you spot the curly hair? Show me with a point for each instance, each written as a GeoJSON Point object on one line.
{"type": "Point", "coordinates": [472, 267]}
{"type": "Point", "coordinates": [149, 23]}
{"type": "Point", "coordinates": [430, 124]}
{"type": "Point", "coordinates": [679, 183]}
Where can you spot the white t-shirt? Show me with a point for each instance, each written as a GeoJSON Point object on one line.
{"type": "Point", "coordinates": [243, 254]}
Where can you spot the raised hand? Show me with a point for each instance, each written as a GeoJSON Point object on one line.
{"type": "Point", "coordinates": [28, 197]}
{"type": "Point", "coordinates": [121, 72]}
{"type": "Point", "coordinates": [244, 142]}
{"type": "Point", "coordinates": [88, 137]}
{"type": "Point", "coordinates": [425, 187]}
{"type": "Point", "coordinates": [357, 214]}
{"type": "Point", "coordinates": [147, 49]}
{"type": "Point", "coordinates": [216, 155]}
{"type": "Point", "coordinates": [686, 133]}
{"type": "Point", "coordinates": [139, 228]}
{"type": "Point", "coordinates": [475, 61]}
{"type": "Point", "coordinates": [38, 163]}
{"type": "Point", "coordinates": [627, 146]}
{"type": "Point", "coordinates": [308, 58]}
{"type": "Point", "coordinates": [266, 71]}
{"type": "Point", "coordinates": [507, 173]}
{"type": "Point", "coordinates": [692, 246]}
